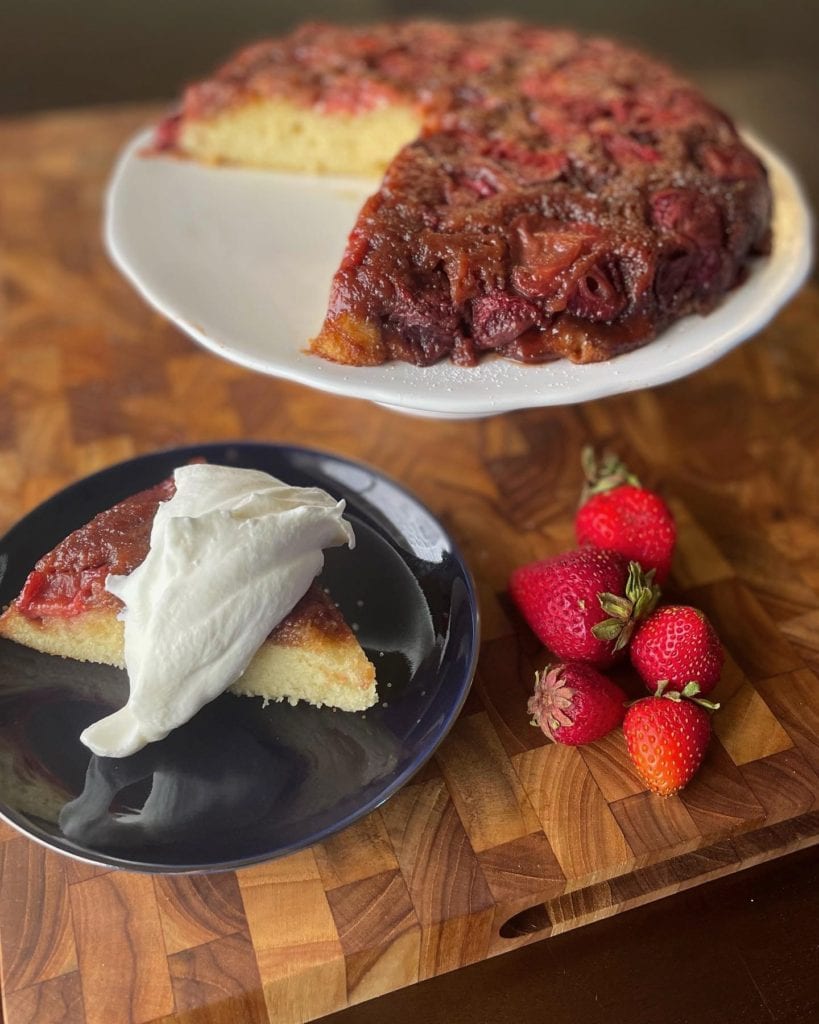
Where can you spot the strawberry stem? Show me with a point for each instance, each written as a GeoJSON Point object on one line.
{"type": "Point", "coordinates": [625, 611]}
{"type": "Point", "coordinates": [603, 475]}
{"type": "Point", "coordinates": [688, 692]}
{"type": "Point", "coordinates": [641, 590]}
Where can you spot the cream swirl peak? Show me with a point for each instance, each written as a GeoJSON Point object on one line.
{"type": "Point", "coordinates": [231, 554]}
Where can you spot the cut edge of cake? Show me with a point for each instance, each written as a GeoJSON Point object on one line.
{"type": "Point", "coordinates": [280, 135]}
{"type": "Point", "coordinates": [350, 340]}
{"type": "Point", "coordinates": [95, 636]}
{"type": "Point", "coordinates": [313, 655]}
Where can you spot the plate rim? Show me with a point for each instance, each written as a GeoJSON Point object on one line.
{"type": "Point", "coordinates": [20, 824]}
{"type": "Point", "coordinates": [793, 263]}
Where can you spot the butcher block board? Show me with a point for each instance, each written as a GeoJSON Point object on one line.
{"type": "Point", "coordinates": [503, 839]}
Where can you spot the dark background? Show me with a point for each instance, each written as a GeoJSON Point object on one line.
{"type": "Point", "coordinates": [756, 58]}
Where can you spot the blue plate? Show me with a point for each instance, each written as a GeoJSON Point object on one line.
{"type": "Point", "coordinates": [240, 782]}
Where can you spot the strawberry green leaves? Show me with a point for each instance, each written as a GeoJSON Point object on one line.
{"type": "Point", "coordinates": [625, 611]}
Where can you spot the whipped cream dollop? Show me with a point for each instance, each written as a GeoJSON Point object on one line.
{"type": "Point", "coordinates": [231, 554]}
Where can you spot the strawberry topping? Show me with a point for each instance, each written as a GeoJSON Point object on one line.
{"type": "Point", "coordinates": [70, 579]}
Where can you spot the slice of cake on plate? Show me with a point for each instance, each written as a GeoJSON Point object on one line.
{"type": "Point", "coordinates": [65, 609]}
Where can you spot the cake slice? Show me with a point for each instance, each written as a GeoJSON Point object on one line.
{"type": "Point", "coordinates": [64, 609]}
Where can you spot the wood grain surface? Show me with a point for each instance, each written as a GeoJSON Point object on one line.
{"type": "Point", "coordinates": [503, 839]}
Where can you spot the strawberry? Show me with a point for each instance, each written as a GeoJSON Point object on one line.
{"type": "Point", "coordinates": [573, 703]}
{"type": "Point", "coordinates": [584, 604]}
{"type": "Point", "coordinates": [667, 737]}
{"type": "Point", "coordinates": [618, 514]}
{"type": "Point", "coordinates": [677, 644]}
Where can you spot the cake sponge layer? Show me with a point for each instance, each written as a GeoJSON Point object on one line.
{"type": "Point", "coordinates": [312, 655]}
{"type": "Point", "coordinates": [280, 135]}
{"type": "Point", "coordinates": [96, 636]}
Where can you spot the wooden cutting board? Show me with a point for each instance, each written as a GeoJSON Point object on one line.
{"type": "Point", "coordinates": [503, 839]}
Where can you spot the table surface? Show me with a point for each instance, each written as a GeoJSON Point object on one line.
{"type": "Point", "coordinates": [89, 376]}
